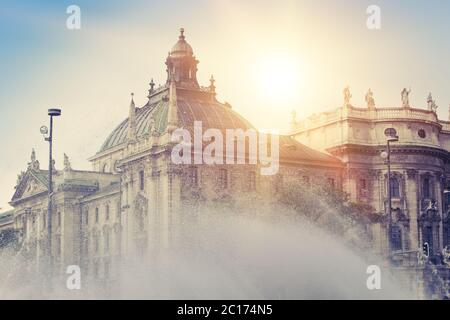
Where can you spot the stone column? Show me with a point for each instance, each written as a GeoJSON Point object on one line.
{"type": "Point", "coordinates": [412, 202]}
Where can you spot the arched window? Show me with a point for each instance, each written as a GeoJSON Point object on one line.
{"type": "Point", "coordinates": [395, 188]}
{"type": "Point", "coordinates": [106, 168]}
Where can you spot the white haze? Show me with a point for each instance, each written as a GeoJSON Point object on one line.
{"type": "Point", "coordinates": [225, 255]}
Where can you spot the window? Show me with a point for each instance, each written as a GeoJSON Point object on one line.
{"type": "Point", "coordinates": [106, 269]}
{"type": "Point", "coordinates": [107, 240]}
{"type": "Point", "coordinates": [395, 188]}
{"type": "Point", "coordinates": [251, 181]}
{"type": "Point", "coordinates": [44, 220]}
{"type": "Point", "coordinates": [396, 238]}
{"type": "Point", "coordinates": [362, 184]}
{"type": "Point", "coordinates": [194, 177]}
{"type": "Point", "coordinates": [96, 215]}
{"type": "Point", "coordinates": [141, 180]}
{"type": "Point", "coordinates": [96, 269]}
{"type": "Point", "coordinates": [96, 244]}
{"type": "Point", "coordinates": [107, 212]}
{"type": "Point", "coordinates": [422, 133]}
{"type": "Point", "coordinates": [331, 182]}
{"type": "Point", "coordinates": [428, 238]}
{"type": "Point", "coordinates": [86, 217]}
{"type": "Point", "coordinates": [426, 188]}
{"type": "Point", "coordinates": [446, 239]}
{"type": "Point", "coordinates": [59, 219]}
{"type": "Point", "coordinates": [223, 178]}
{"type": "Point", "coordinates": [305, 181]}
{"type": "Point", "coordinates": [279, 183]}
{"type": "Point", "coordinates": [118, 210]}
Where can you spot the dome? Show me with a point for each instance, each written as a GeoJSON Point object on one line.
{"type": "Point", "coordinates": [181, 48]}
{"type": "Point", "coordinates": [212, 114]}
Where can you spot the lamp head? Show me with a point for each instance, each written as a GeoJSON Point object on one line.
{"type": "Point", "coordinates": [44, 130]}
{"type": "Point", "coordinates": [54, 112]}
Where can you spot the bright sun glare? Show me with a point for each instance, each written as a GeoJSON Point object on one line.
{"type": "Point", "coordinates": [279, 77]}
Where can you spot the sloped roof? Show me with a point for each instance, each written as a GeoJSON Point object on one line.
{"type": "Point", "coordinates": [291, 149]}
{"type": "Point", "coordinates": [192, 107]}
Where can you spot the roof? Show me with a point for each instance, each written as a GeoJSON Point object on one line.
{"type": "Point", "coordinates": [192, 106]}
{"type": "Point", "coordinates": [291, 149]}
{"type": "Point", "coordinates": [6, 217]}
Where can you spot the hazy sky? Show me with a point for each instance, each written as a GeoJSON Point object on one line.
{"type": "Point", "coordinates": [268, 58]}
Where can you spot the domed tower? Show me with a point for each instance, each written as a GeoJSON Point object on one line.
{"type": "Point", "coordinates": [182, 64]}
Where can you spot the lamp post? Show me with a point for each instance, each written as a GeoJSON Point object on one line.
{"type": "Point", "coordinates": [391, 135]}
{"type": "Point", "coordinates": [44, 130]}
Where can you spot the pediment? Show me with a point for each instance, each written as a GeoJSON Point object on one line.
{"type": "Point", "coordinates": [32, 183]}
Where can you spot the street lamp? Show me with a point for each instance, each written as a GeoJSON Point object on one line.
{"type": "Point", "coordinates": [391, 135]}
{"type": "Point", "coordinates": [44, 131]}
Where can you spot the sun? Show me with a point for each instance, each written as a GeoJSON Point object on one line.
{"type": "Point", "coordinates": [279, 77]}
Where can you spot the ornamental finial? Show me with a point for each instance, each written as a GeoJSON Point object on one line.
{"type": "Point", "coordinates": [212, 87]}
{"type": "Point", "coordinates": [181, 37]}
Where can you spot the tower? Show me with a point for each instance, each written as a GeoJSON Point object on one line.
{"type": "Point", "coordinates": [182, 64]}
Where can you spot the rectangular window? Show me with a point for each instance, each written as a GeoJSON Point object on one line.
{"type": "Point", "coordinates": [331, 182]}
{"type": "Point", "coordinates": [395, 188]}
{"type": "Point", "coordinates": [426, 188]}
{"type": "Point", "coordinates": [223, 178]}
{"type": "Point", "coordinates": [141, 180]}
{"type": "Point", "coordinates": [362, 184]}
{"type": "Point", "coordinates": [305, 181]}
{"type": "Point", "coordinates": [96, 215]}
{"type": "Point", "coordinates": [194, 177]}
{"type": "Point", "coordinates": [118, 210]}
{"type": "Point", "coordinates": [396, 238]}
{"type": "Point", "coordinates": [251, 181]}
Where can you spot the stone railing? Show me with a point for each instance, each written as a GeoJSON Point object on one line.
{"type": "Point", "coordinates": [377, 114]}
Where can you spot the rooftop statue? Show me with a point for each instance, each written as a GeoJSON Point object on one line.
{"type": "Point", "coordinates": [405, 97]}
{"type": "Point", "coordinates": [67, 166]}
{"type": "Point", "coordinates": [347, 95]}
{"type": "Point", "coordinates": [369, 99]}
{"type": "Point", "coordinates": [431, 103]}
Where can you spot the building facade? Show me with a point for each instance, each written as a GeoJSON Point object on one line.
{"type": "Point", "coordinates": [420, 172]}
{"type": "Point", "coordinates": [134, 201]}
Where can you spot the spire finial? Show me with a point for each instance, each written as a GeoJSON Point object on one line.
{"type": "Point", "coordinates": [132, 121]}
{"type": "Point", "coordinates": [152, 88]}
{"type": "Point", "coordinates": [181, 37]}
{"type": "Point", "coordinates": [212, 87]}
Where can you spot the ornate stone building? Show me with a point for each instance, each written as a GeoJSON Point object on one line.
{"type": "Point", "coordinates": [135, 190]}
{"type": "Point", "coordinates": [420, 172]}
